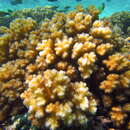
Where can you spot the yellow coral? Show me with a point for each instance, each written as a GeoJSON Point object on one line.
{"type": "Point", "coordinates": [103, 48]}
{"type": "Point", "coordinates": [79, 23]}
{"type": "Point", "coordinates": [100, 31]}
{"type": "Point", "coordinates": [86, 64]}
{"type": "Point", "coordinates": [115, 80]}
{"type": "Point", "coordinates": [46, 54]}
{"type": "Point", "coordinates": [93, 11]}
{"type": "Point", "coordinates": [117, 115]}
{"type": "Point", "coordinates": [11, 86]}
{"type": "Point", "coordinates": [62, 47]}
{"type": "Point", "coordinates": [111, 83]}
{"type": "Point", "coordinates": [12, 69]}
{"type": "Point", "coordinates": [44, 97]}
{"type": "Point", "coordinates": [125, 79]}
{"type": "Point", "coordinates": [84, 44]}
{"type": "Point", "coordinates": [4, 47]}
{"type": "Point", "coordinates": [117, 62]}
{"type": "Point", "coordinates": [20, 27]}
{"type": "Point", "coordinates": [70, 70]}
{"type": "Point", "coordinates": [17, 53]}
{"type": "Point", "coordinates": [55, 61]}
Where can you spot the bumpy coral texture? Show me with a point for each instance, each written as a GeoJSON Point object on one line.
{"type": "Point", "coordinates": [11, 85]}
{"type": "Point", "coordinates": [117, 115]}
{"type": "Point", "coordinates": [49, 100]}
{"type": "Point", "coordinates": [65, 55]}
{"type": "Point", "coordinates": [18, 53]}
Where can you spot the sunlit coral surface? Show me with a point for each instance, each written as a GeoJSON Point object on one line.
{"type": "Point", "coordinates": [64, 70]}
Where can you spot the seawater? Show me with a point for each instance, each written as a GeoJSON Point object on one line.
{"type": "Point", "coordinates": [111, 6]}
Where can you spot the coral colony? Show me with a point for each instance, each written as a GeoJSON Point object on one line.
{"type": "Point", "coordinates": [64, 71]}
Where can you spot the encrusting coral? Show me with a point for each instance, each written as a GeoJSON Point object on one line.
{"type": "Point", "coordinates": [70, 65]}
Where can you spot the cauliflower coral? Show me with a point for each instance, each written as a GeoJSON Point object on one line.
{"type": "Point", "coordinates": [52, 98]}
{"type": "Point", "coordinates": [73, 66]}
